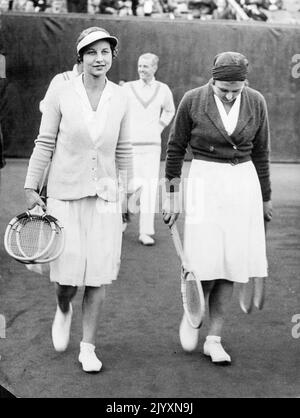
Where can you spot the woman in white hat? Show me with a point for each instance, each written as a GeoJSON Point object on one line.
{"type": "Point", "coordinates": [84, 130]}
{"type": "Point", "coordinates": [228, 189]}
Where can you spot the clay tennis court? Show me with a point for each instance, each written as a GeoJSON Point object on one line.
{"type": "Point", "coordinates": [138, 337]}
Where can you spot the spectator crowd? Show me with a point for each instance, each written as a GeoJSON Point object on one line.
{"type": "Point", "coordinates": [190, 9]}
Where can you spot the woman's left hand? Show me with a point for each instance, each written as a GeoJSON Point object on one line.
{"type": "Point", "coordinates": [33, 199]}
{"type": "Point", "coordinates": [171, 209]}
{"type": "Point", "coordinates": [268, 211]}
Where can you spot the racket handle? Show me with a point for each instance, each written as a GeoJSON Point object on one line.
{"type": "Point", "coordinates": [177, 242]}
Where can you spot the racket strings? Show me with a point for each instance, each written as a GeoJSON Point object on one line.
{"type": "Point", "coordinates": [192, 296]}
{"type": "Point", "coordinates": [34, 236]}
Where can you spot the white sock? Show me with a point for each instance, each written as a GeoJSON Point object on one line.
{"type": "Point", "coordinates": [213, 338]}
{"type": "Point", "coordinates": [86, 346]}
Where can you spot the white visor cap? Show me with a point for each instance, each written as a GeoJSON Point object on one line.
{"type": "Point", "coordinates": [96, 36]}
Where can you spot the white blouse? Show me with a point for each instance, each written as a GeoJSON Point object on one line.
{"type": "Point", "coordinates": [229, 119]}
{"type": "Point", "coordinates": [94, 119]}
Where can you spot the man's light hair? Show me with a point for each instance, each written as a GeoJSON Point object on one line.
{"type": "Point", "coordinates": [154, 58]}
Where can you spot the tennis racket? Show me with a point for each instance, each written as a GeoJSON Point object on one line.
{"type": "Point", "coordinates": [252, 294]}
{"type": "Point", "coordinates": [33, 238]}
{"type": "Point", "coordinates": [191, 289]}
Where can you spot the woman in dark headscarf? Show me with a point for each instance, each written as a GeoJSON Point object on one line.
{"type": "Point", "coordinates": [228, 189]}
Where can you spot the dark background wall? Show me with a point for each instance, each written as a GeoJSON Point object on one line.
{"type": "Point", "coordinates": [39, 46]}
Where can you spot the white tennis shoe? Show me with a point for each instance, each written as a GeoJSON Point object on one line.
{"type": "Point", "coordinates": [188, 335]}
{"type": "Point", "coordinates": [146, 239]}
{"type": "Point", "coordinates": [214, 349]}
{"type": "Point", "coordinates": [61, 329]}
{"type": "Point", "coordinates": [88, 359]}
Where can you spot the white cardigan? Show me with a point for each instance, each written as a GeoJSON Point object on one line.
{"type": "Point", "coordinates": [81, 167]}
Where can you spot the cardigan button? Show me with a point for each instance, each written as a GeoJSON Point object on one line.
{"type": "Point", "coordinates": [234, 147]}
{"type": "Point", "coordinates": [211, 148]}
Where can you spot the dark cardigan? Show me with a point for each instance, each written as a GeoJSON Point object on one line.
{"type": "Point", "coordinates": [197, 123]}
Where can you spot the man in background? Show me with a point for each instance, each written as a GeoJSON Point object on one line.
{"type": "Point", "coordinates": [151, 110]}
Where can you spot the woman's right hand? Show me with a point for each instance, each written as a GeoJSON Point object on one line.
{"type": "Point", "coordinates": [33, 199]}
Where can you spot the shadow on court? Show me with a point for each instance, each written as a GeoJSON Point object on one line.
{"type": "Point", "coordinates": [138, 335]}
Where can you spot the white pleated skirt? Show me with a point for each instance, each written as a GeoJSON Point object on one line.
{"type": "Point", "coordinates": [93, 239]}
{"type": "Point", "coordinates": [224, 235]}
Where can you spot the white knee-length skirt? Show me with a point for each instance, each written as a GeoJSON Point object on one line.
{"type": "Point", "coordinates": [224, 225]}
{"type": "Point", "coordinates": [93, 239]}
